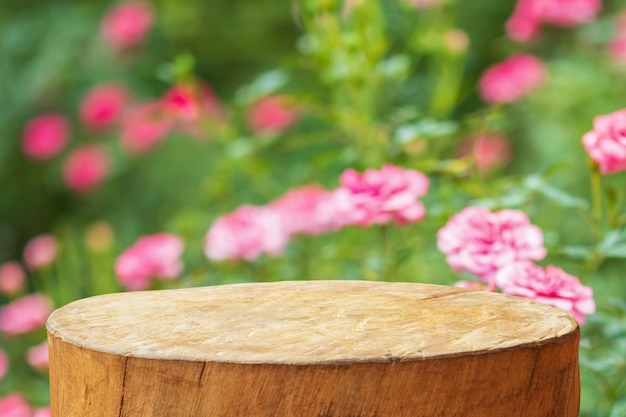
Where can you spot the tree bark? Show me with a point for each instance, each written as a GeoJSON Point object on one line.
{"type": "Point", "coordinates": [313, 349]}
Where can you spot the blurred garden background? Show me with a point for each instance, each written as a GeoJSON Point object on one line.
{"type": "Point", "coordinates": [176, 143]}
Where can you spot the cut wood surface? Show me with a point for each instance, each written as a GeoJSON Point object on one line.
{"type": "Point", "coordinates": [313, 349]}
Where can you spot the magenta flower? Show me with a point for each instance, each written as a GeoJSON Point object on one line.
{"type": "Point", "coordinates": [551, 286]}
{"type": "Point", "coordinates": [25, 314]}
{"type": "Point", "coordinates": [192, 101]}
{"type": "Point", "coordinates": [12, 278]}
{"type": "Point", "coordinates": [528, 16]}
{"type": "Point", "coordinates": [126, 24]}
{"type": "Point", "coordinates": [272, 115]}
{"type": "Point", "coordinates": [380, 196]}
{"type": "Point", "coordinates": [86, 168]}
{"type": "Point", "coordinates": [103, 106]}
{"type": "Point", "coordinates": [4, 364]}
{"type": "Point", "coordinates": [512, 79]}
{"type": "Point", "coordinates": [40, 252]}
{"type": "Point", "coordinates": [14, 405]}
{"type": "Point", "coordinates": [45, 136]}
{"type": "Point", "coordinates": [307, 210]}
{"type": "Point", "coordinates": [37, 357]}
{"type": "Point", "coordinates": [246, 233]}
{"type": "Point", "coordinates": [155, 256]}
{"type": "Point", "coordinates": [144, 126]}
{"type": "Point", "coordinates": [488, 151]}
{"type": "Point", "coordinates": [606, 143]}
{"type": "Point", "coordinates": [481, 242]}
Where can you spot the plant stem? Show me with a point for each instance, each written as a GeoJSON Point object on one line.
{"type": "Point", "coordinates": [596, 195]}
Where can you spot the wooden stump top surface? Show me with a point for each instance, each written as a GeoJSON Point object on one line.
{"type": "Point", "coordinates": [308, 322]}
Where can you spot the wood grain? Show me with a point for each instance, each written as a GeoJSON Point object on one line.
{"type": "Point", "coordinates": [313, 349]}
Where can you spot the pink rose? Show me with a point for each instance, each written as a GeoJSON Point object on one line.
{"type": "Point", "coordinates": [155, 256]}
{"type": "Point", "coordinates": [12, 278]}
{"type": "Point", "coordinates": [481, 242]}
{"type": "Point", "coordinates": [40, 252]}
{"type": "Point", "coordinates": [144, 126]}
{"type": "Point", "coordinates": [14, 405]}
{"type": "Point", "coordinates": [45, 136]}
{"type": "Point", "coordinates": [193, 105]}
{"type": "Point", "coordinates": [606, 143]}
{"type": "Point", "coordinates": [25, 314]}
{"type": "Point", "coordinates": [86, 168]}
{"type": "Point", "coordinates": [511, 79]}
{"type": "Point", "coordinates": [380, 196]}
{"type": "Point", "coordinates": [246, 233]}
{"type": "Point", "coordinates": [4, 364]}
{"type": "Point", "coordinates": [42, 412]}
{"type": "Point", "coordinates": [524, 24]}
{"type": "Point", "coordinates": [37, 357]}
{"type": "Point", "coordinates": [488, 151]}
{"type": "Point", "coordinates": [103, 106]}
{"type": "Point", "coordinates": [551, 286]}
{"type": "Point", "coordinates": [308, 210]}
{"type": "Point", "coordinates": [272, 115]}
{"type": "Point", "coordinates": [126, 24]}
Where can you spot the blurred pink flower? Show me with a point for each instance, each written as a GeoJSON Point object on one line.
{"type": "Point", "coordinates": [155, 256]}
{"type": "Point", "coordinates": [12, 278]}
{"type": "Point", "coordinates": [481, 242]}
{"type": "Point", "coordinates": [103, 105]}
{"type": "Point", "coordinates": [488, 150]}
{"type": "Point", "coordinates": [86, 168]}
{"type": "Point", "coordinates": [380, 196]}
{"type": "Point", "coordinates": [144, 126]}
{"type": "Point", "coordinates": [473, 285]}
{"type": "Point", "coordinates": [308, 210]}
{"type": "Point", "coordinates": [14, 405]}
{"type": "Point", "coordinates": [45, 136]}
{"type": "Point", "coordinates": [40, 252]}
{"type": "Point", "coordinates": [551, 286]}
{"type": "Point", "coordinates": [424, 4]}
{"type": "Point", "coordinates": [42, 412]}
{"type": "Point", "coordinates": [246, 233]}
{"type": "Point", "coordinates": [25, 314]}
{"type": "Point", "coordinates": [525, 22]}
{"type": "Point", "coordinates": [606, 143]}
{"type": "Point", "coordinates": [37, 357]}
{"type": "Point", "coordinates": [510, 80]}
{"type": "Point", "coordinates": [4, 364]}
{"type": "Point", "coordinates": [192, 106]}
{"type": "Point", "coordinates": [272, 115]}
{"type": "Point", "coordinates": [617, 46]}
{"type": "Point", "coordinates": [126, 24]}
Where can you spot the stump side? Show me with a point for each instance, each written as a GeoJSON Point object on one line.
{"type": "Point", "coordinates": [525, 378]}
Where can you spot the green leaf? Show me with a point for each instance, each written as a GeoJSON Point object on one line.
{"type": "Point", "coordinates": [426, 128]}
{"type": "Point", "coordinates": [613, 245]}
{"type": "Point", "coordinates": [562, 198]}
{"type": "Point", "coordinates": [619, 408]}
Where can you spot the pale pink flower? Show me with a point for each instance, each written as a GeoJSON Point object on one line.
{"type": "Point", "coordinates": [4, 364]}
{"type": "Point", "coordinates": [246, 233]}
{"type": "Point", "coordinates": [551, 286]}
{"type": "Point", "coordinates": [45, 136]}
{"type": "Point", "coordinates": [512, 79]}
{"type": "Point", "coordinates": [144, 126]}
{"type": "Point", "coordinates": [103, 106]}
{"type": "Point", "coordinates": [86, 168]}
{"type": "Point", "coordinates": [126, 24]}
{"type": "Point", "coordinates": [606, 143]}
{"type": "Point", "coordinates": [481, 242]}
{"type": "Point", "coordinates": [488, 151]}
{"type": "Point", "coordinates": [37, 357]}
{"type": "Point", "coordinates": [272, 115]}
{"type": "Point", "coordinates": [473, 285]}
{"type": "Point", "coordinates": [40, 252]}
{"type": "Point", "coordinates": [14, 405]}
{"type": "Point", "coordinates": [42, 412]}
{"type": "Point", "coordinates": [380, 196]}
{"type": "Point", "coordinates": [12, 278]}
{"type": "Point", "coordinates": [528, 16]}
{"type": "Point", "coordinates": [308, 210]}
{"type": "Point", "coordinates": [155, 256]}
{"type": "Point", "coordinates": [25, 314]}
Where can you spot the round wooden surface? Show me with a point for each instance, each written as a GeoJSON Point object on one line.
{"type": "Point", "coordinates": [307, 322]}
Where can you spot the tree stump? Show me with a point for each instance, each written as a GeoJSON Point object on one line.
{"type": "Point", "coordinates": [313, 349]}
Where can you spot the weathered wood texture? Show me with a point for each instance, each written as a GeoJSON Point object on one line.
{"type": "Point", "coordinates": [313, 349]}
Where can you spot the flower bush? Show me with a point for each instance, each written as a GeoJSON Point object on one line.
{"type": "Point", "coordinates": [166, 144]}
